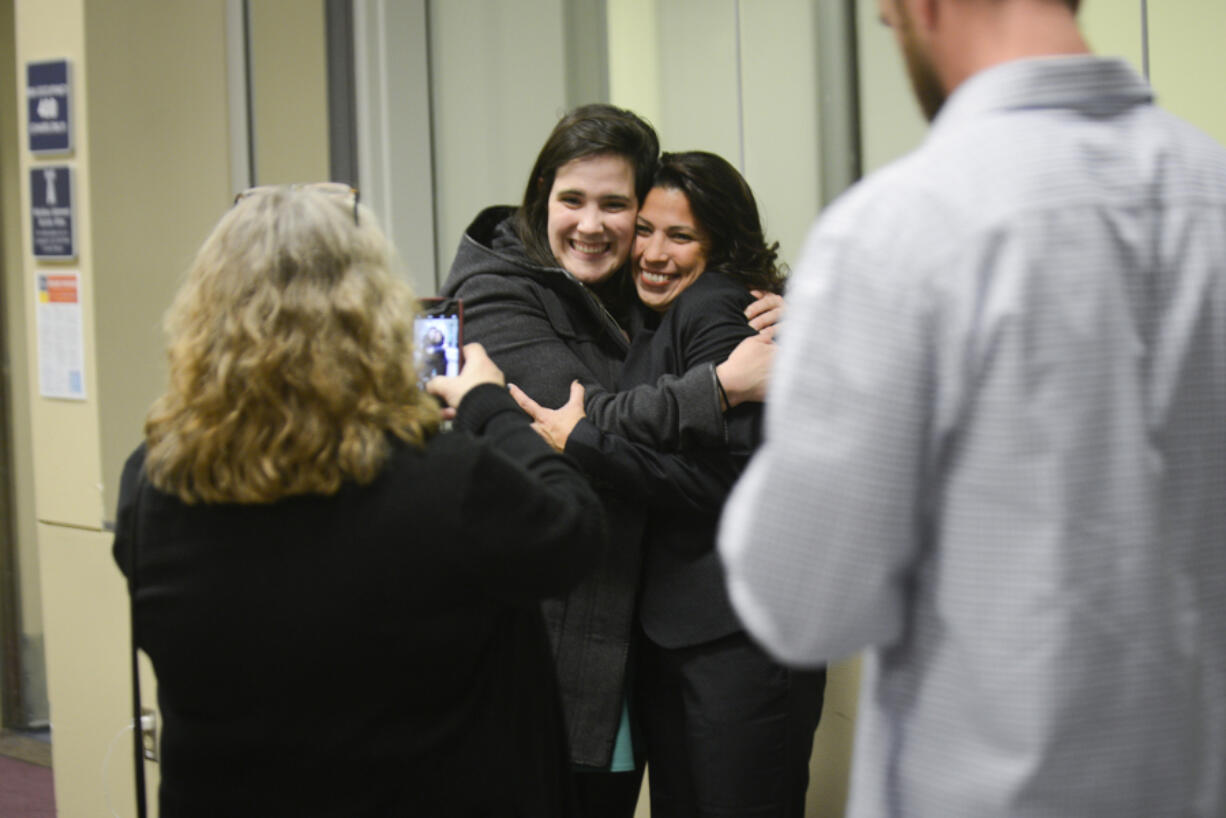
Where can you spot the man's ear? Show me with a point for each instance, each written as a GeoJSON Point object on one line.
{"type": "Point", "coordinates": [927, 13]}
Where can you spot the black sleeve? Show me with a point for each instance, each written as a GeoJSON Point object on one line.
{"type": "Point", "coordinates": [538, 525]}
{"type": "Point", "coordinates": [129, 485]}
{"type": "Point", "coordinates": [698, 479]}
{"type": "Point", "coordinates": [704, 328]}
{"type": "Point", "coordinates": [530, 332]}
{"type": "Point", "coordinates": [676, 412]}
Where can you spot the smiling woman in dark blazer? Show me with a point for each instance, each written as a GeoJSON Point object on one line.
{"type": "Point", "coordinates": [729, 731]}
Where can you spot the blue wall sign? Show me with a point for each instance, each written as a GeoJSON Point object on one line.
{"type": "Point", "coordinates": [51, 212]}
{"type": "Point", "coordinates": [49, 100]}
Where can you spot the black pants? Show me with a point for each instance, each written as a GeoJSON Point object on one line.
{"type": "Point", "coordinates": [729, 731]}
{"type": "Point", "coordinates": [606, 795]}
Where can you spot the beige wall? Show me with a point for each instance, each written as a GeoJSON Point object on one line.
{"type": "Point", "coordinates": [87, 668]}
{"type": "Point", "coordinates": [151, 176]}
{"type": "Point", "coordinates": [158, 139]}
{"type": "Point", "coordinates": [29, 610]}
{"type": "Point", "coordinates": [498, 89]}
{"type": "Point", "coordinates": [64, 434]}
{"type": "Point", "coordinates": [1187, 57]}
{"type": "Point", "coordinates": [674, 61]}
{"type": "Point", "coordinates": [1113, 29]}
{"type": "Point", "coordinates": [289, 91]}
{"type": "Point", "coordinates": [634, 57]}
{"type": "Point", "coordinates": [891, 120]}
{"type": "Point", "coordinates": [891, 123]}
{"type": "Point", "coordinates": [67, 431]}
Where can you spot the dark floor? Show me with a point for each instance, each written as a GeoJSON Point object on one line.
{"type": "Point", "coordinates": [26, 789]}
{"type": "Point", "coordinates": [30, 746]}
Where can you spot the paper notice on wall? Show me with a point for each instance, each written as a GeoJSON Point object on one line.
{"type": "Point", "coordinates": [61, 346]}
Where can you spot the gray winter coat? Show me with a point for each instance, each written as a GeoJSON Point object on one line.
{"type": "Point", "coordinates": [545, 329]}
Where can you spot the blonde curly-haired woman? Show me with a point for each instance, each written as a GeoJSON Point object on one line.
{"type": "Point", "coordinates": [340, 601]}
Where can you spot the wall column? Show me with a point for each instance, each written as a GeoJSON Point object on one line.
{"type": "Point", "coordinates": [150, 165]}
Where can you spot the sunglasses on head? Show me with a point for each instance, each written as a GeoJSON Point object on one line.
{"type": "Point", "coordinates": [330, 188]}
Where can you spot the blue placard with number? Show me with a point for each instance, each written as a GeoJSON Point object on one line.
{"type": "Point", "coordinates": [49, 102]}
{"type": "Point", "coordinates": [51, 212]}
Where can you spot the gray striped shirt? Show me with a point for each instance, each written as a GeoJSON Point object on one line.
{"type": "Point", "coordinates": [996, 455]}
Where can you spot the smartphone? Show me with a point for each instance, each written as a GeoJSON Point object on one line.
{"type": "Point", "coordinates": [438, 335]}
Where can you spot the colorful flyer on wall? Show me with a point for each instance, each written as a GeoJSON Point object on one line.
{"type": "Point", "coordinates": [61, 346]}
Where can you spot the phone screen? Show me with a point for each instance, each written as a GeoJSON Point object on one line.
{"type": "Point", "coordinates": [438, 336]}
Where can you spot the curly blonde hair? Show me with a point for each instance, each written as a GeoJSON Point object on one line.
{"type": "Point", "coordinates": [291, 356]}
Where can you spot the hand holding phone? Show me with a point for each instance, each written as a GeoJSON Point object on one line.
{"type": "Point", "coordinates": [438, 336]}
{"type": "Point", "coordinates": [478, 369]}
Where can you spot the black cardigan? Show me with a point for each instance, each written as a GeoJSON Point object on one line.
{"type": "Point", "coordinates": [684, 599]}
{"type": "Point", "coordinates": [377, 652]}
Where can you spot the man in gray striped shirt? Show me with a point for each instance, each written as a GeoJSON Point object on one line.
{"type": "Point", "coordinates": [996, 440]}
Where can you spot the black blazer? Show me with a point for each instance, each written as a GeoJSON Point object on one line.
{"type": "Point", "coordinates": [376, 652]}
{"type": "Point", "coordinates": [683, 599]}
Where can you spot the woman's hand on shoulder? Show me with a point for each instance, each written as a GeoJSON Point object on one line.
{"type": "Point", "coordinates": [745, 374]}
{"type": "Point", "coordinates": [555, 425]}
{"type": "Point", "coordinates": [765, 314]}
{"type": "Point", "coordinates": [478, 369]}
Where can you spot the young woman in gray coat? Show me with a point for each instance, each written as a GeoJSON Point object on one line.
{"type": "Point", "coordinates": [546, 291]}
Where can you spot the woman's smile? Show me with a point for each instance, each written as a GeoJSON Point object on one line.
{"type": "Point", "coordinates": [670, 248]}
{"type": "Point", "coordinates": [591, 216]}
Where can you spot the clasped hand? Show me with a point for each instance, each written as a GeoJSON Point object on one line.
{"type": "Point", "coordinates": [555, 425]}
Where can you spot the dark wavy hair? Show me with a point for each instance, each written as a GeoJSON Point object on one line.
{"type": "Point", "coordinates": [724, 207]}
{"type": "Point", "coordinates": [589, 130]}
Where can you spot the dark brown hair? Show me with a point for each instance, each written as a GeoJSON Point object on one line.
{"type": "Point", "coordinates": [589, 130]}
{"type": "Point", "coordinates": [725, 208]}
